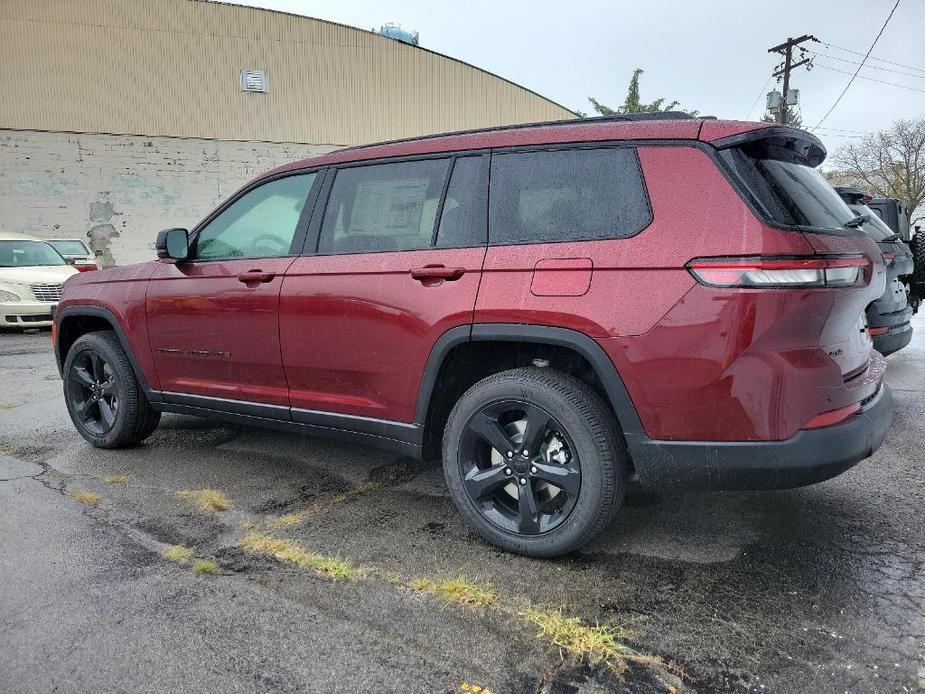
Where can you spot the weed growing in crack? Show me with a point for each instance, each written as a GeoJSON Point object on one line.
{"type": "Point", "coordinates": [207, 499]}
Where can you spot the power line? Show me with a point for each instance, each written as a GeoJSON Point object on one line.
{"type": "Point", "coordinates": [758, 98]}
{"type": "Point", "coordinates": [828, 56]}
{"type": "Point", "coordinates": [869, 79]}
{"type": "Point", "coordinates": [864, 60]}
{"type": "Point", "coordinates": [880, 60]}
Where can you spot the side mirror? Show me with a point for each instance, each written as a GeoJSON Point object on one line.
{"type": "Point", "coordinates": [70, 261]}
{"type": "Point", "coordinates": [172, 243]}
{"type": "Point", "coordinates": [98, 253]}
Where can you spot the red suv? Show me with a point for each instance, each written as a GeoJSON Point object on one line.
{"type": "Point", "coordinates": [556, 308]}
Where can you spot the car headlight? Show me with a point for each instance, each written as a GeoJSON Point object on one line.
{"type": "Point", "coordinates": [8, 296]}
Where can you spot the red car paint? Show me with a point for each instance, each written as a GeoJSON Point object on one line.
{"type": "Point", "coordinates": [352, 333]}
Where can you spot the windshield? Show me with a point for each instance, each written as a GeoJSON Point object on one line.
{"type": "Point", "coordinates": [70, 247]}
{"type": "Point", "coordinates": [875, 227]}
{"type": "Point", "coordinates": [791, 194]}
{"type": "Point", "coordinates": [28, 254]}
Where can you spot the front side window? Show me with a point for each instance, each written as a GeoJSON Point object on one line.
{"type": "Point", "coordinates": [383, 207]}
{"type": "Point", "coordinates": [27, 253]}
{"type": "Point", "coordinates": [566, 195]}
{"type": "Point", "coordinates": [259, 224]}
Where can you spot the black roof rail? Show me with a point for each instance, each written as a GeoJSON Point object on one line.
{"type": "Point", "coordinates": [620, 117]}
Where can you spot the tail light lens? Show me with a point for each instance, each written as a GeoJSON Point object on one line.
{"type": "Point", "coordinates": [770, 271]}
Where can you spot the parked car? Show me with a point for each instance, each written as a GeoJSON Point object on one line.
{"type": "Point", "coordinates": [31, 276]}
{"type": "Point", "coordinates": [895, 214]}
{"type": "Point", "coordinates": [889, 318]}
{"type": "Point", "coordinates": [76, 253]}
{"type": "Point", "coordinates": [662, 297]}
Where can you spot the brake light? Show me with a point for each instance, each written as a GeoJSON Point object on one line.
{"type": "Point", "coordinates": [770, 271]}
{"type": "Point", "coordinates": [877, 331]}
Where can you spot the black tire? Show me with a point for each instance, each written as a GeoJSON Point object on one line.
{"type": "Point", "coordinates": [579, 423]}
{"type": "Point", "coordinates": [917, 247]}
{"type": "Point", "coordinates": [103, 397]}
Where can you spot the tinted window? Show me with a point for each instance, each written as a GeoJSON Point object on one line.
{"type": "Point", "coordinates": [791, 194]}
{"type": "Point", "coordinates": [383, 207]}
{"type": "Point", "coordinates": [259, 224]}
{"type": "Point", "coordinates": [463, 220]}
{"type": "Point", "coordinates": [27, 253]}
{"type": "Point", "coordinates": [874, 226]}
{"type": "Point", "coordinates": [566, 195]}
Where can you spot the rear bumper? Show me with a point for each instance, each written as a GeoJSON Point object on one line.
{"type": "Point", "coordinates": [810, 456]}
{"type": "Point", "coordinates": [893, 339]}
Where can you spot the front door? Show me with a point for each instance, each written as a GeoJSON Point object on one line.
{"type": "Point", "coordinates": [213, 320]}
{"type": "Point", "coordinates": [398, 261]}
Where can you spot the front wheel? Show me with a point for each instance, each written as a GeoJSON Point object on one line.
{"type": "Point", "coordinates": [533, 461]}
{"type": "Point", "coordinates": [103, 396]}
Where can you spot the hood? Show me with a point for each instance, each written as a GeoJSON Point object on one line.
{"type": "Point", "coordinates": [40, 273]}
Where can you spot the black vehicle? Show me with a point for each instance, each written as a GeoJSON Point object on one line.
{"type": "Point", "coordinates": [888, 318]}
{"type": "Point", "coordinates": [894, 213]}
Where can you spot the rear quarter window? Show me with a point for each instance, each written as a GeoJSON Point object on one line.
{"type": "Point", "coordinates": [566, 195]}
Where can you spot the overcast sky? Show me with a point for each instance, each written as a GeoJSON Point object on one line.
{"type": "Point", "coordinates": [712, 56]}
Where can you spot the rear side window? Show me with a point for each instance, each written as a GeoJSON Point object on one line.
{"type": "Point", "coordinates": [791, 194]}
{"type": "Point", "coordinates": [566, 195]}
{"type": "Point", "coordinates": [463, 220]}
{"type": "Point", "coordinates": [383, 207]}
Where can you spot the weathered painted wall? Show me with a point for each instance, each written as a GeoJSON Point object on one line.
{"type": "Point", "coordinates": [118, 191]}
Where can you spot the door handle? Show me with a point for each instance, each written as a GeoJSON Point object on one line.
{"type": "Point", "coordinates": [438, 272]}
{"type": "Point", "coordinates": [256, 277]}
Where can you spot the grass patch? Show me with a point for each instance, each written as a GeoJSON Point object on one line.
{"type": "Point", "coordinates": [115, 479]}
{"type": "Point", "coordinates": [177, 553]}
{"type": "Point", "coordinates": [7, 406]}
{"type": "Point", "coordinates": [207, 499]}
{"type": "Point", "coordinates": [291, 553]}
{"type": "Point", "coordinates": [85, 497]}
{"type": "Point", "coordinates": [457, 590]}
{"type": "Point", "coordinates": [205, 567]}
{"type": "Point", "coordinates": [291, 519]}
{"type": "Point", "coordinates": [592, 644]}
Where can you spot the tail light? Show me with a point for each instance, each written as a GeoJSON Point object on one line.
{"type": "Point", "coordinates": [888, 258]}
{"type": "Point", "coordinates": [86, 268]}
{"type": "Point", "coordinates": [770, 271]}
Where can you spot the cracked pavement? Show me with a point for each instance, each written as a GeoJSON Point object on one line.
{"type": "Point", "coordinates": [813, 589]}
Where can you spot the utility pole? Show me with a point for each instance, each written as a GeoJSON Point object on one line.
{"type": "Point", "coordinates": [786, 50]}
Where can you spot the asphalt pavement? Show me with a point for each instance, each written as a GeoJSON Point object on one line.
{"type": "Point", "coordinates": [319, 575]}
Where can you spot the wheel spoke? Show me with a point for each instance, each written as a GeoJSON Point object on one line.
{"type": "Point", "coordinates": [528, 521]}
{"type": "Point", "coordinates": [106, 412]}
{"type": "Point", "coordinates": [490, 429]}
{"type": "Point", "coordinates": [481, 483]}
{"type": "Point", "coordinates": [80, 375]}
{"type": "Point", "coordinates": [565, 477]}
{"type": "Point", "coordinates": [535, 431]}
{"type": "Point", "coordinates": [107, 386]}
{"type": "Point", "coordinates": [83, 410]}
{"type": "Point", "coordinates": [97, 364]}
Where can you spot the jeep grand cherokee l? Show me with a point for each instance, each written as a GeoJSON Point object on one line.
{"type": "Point", "coordinates": [553, 308]}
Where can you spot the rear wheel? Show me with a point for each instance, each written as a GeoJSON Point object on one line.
{"type": "Point", "coordinates": [103, 396]}
{"type": "Point", "coordinates": [534, 462]}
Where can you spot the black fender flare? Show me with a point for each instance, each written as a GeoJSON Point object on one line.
{"type": "Point", "coordinates": [539, 334]}
{"type": "Point", "coordinates": [109, 317]}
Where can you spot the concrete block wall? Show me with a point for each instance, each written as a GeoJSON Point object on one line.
{"type": "Point", "coordinates": [117, 191]}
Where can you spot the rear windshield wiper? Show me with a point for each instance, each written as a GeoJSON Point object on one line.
{"type": "Point", "coordinates": [857, 221]}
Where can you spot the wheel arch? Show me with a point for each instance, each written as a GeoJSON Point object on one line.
{"type": "Point", "coordinates": [72, 322]}
{"type": "Point", "coordinates": [430, 409]}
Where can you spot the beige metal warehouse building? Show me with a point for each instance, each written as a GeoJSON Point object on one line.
{"type": "Point", "coordinates": [120, 117]}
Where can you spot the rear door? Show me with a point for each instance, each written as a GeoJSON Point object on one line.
{"type": "Point", "coordinates": [394, 261]}
{"type": "Point", "coordinates": [213, 320]}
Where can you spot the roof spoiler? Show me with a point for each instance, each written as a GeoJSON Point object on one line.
{"type": "Point", "coordinates": [787, 144]}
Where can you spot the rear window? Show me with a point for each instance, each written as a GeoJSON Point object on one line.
{"type": "Point", "coordinates": [566, 195]}
{"type": "Point", "coordinates": [789, 193]}
{"type": "Point", "coordinates": [69, 247]}
{"type": "Point", "coordinates": [875, 227]}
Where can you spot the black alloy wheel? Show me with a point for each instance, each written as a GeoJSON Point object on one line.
{"type": "Point", "coordinates": [93, 391]}
{"type": "Point", "coordinates": [519, 467]}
